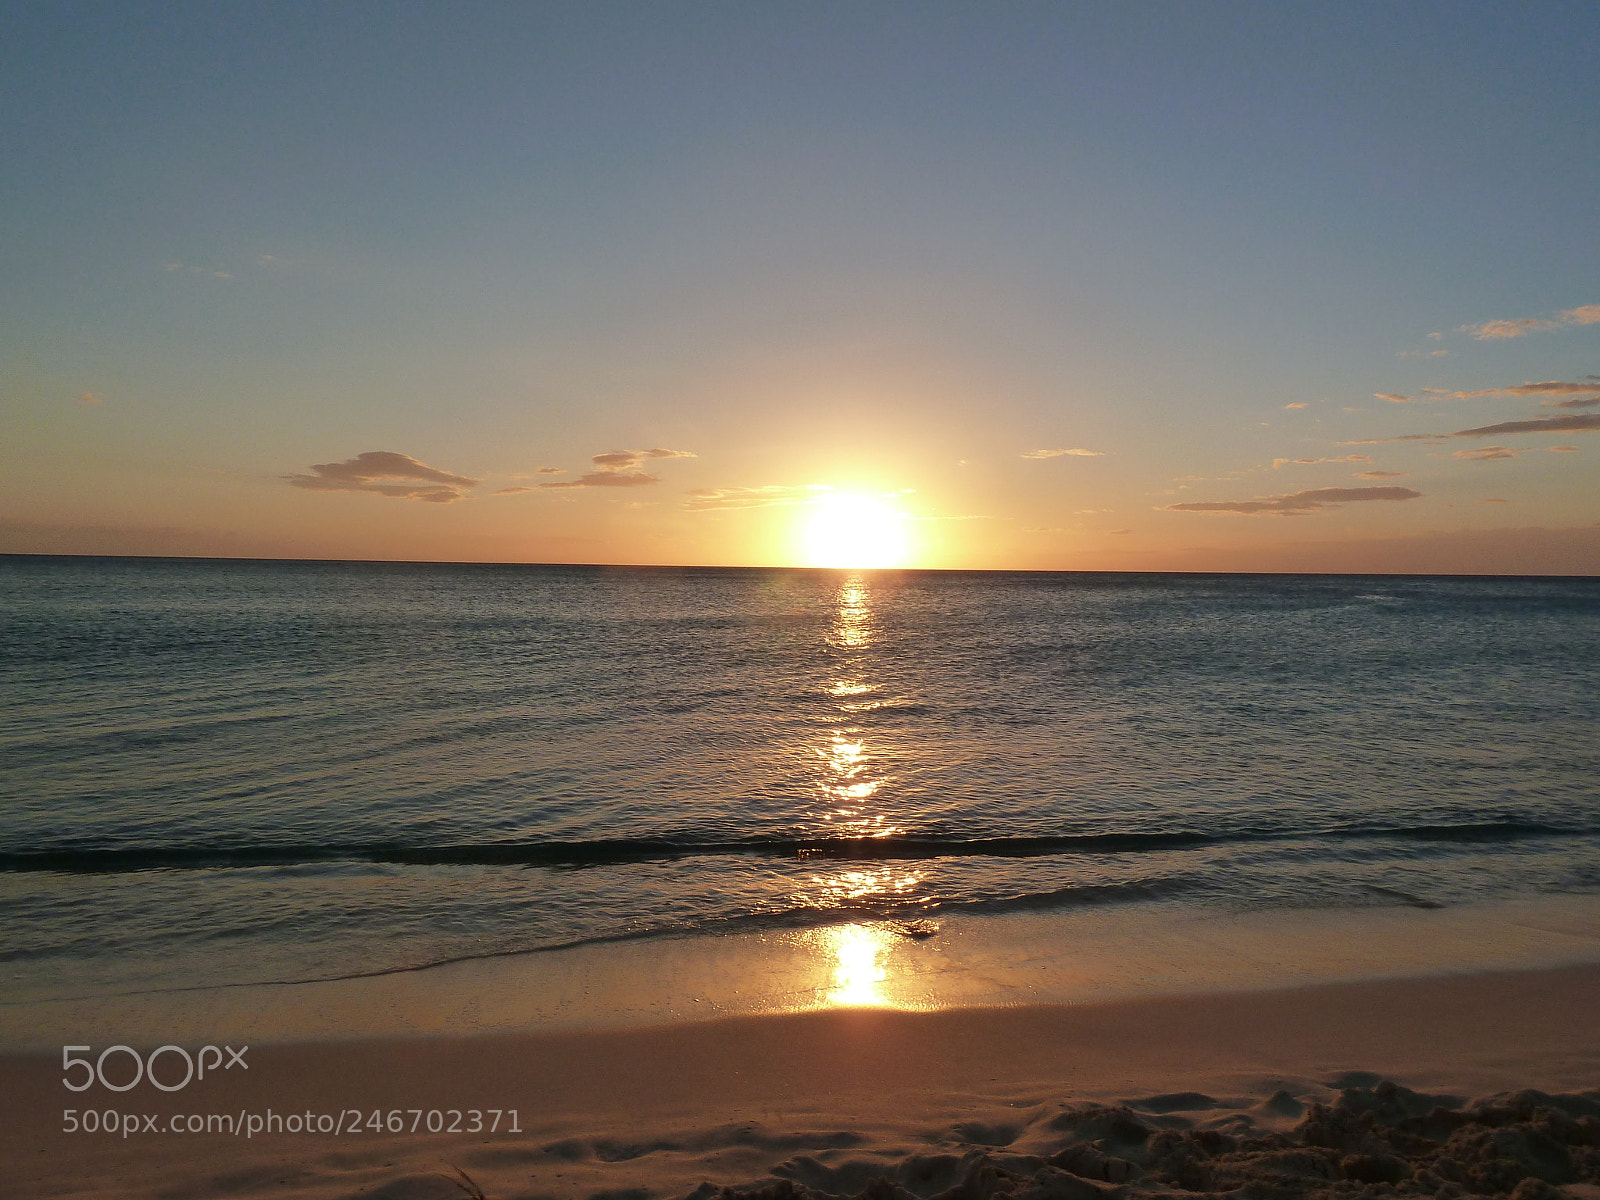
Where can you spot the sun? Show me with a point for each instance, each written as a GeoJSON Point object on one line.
{"type": "Point", "coordinates": [855, 532]}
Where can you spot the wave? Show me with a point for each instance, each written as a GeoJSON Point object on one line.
{"type": "Point", "coordinates": [622, 851]}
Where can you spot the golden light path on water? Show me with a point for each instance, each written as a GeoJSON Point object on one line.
{"type": "Point", "coordinates": [849, 779]}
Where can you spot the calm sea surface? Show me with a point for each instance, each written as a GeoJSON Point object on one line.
{"type": "Point", "coordinates": [219, 772]}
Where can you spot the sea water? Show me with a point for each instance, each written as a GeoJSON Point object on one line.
{"type": "Point", "coordinates": [226, 772]}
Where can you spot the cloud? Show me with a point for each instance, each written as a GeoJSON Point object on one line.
{"type": "Point", "coordinates": [613, 479]}
{"type": "Point", "coordinates": [1576, 424]}
{"type": "Point", "coordinates": [1587, 314]}
{"type": "Point", "coordinates": [1562, 449]}
{"type": "Point", "coordinates": [1298, 404]}
{"type": "Point", "coordinates": [1279, 463]}
{"type": "Point", "coordinates": [513, 491]}
{"type": "Point", "coordinates": [1119, 531]}
{"type": "Point", "coordinates": [616, 469]}
{"type": "Point", "coordinates": [387, 464]}
{"type": "Point", "coordinates": [1485, 453]}
{"type": "Point", "coordinates": [363, 473]}
{"type": "Point", "coordinates": [1580, 424]}
{"type": "Point", "coordinates": [624, 460]}
{"type": "Point", "coordinates": [1548, 387]}
{"type": "Point", "coordinates": [90, 398]}
{"type": "Point", "coordinates": [1591, 402]}
{"type": "Point", "coordinates": [1299, 503]}
{"type": "Point", "coordinates": [1491, 500]}
{"type": "Point", "coordinates": [767, 496]}
{"type": "Point", "coordinates": [1494, 330]}
{"type": "Point", "coordinates": [1059, 453]}
{"type": "Point", "coordinates": [1403, 437]}
{"type": "Point", "coordinates": [1379, 474]}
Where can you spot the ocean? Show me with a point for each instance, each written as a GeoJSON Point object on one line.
{"type": "Point", "coordinates": [227, 772]}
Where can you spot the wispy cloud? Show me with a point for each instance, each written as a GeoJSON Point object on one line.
{"type": "Point", "coordinates": [364, 473]}
{"type": "Point", "coordinates": [1485, 453]}
{"type": "Point", "coordinates": [1298, 404]}
{"type": "Point", "coordinates": [1591, 402]}
{"type": "Point", "coordinates": [1549, 387]}
{"type": "Point", "coordinates": [766, 496]}
{"type": "Point", "coordinates": [1299, 503]}
{"type": "Point", "coordinates": [90, 398]}
{"type": "Point", "coordinates": [1575, 424]}
{"type": "Point", "coordinates": [1587, 314]}
{"type": "Point", "coordinates": [1059, 453]}
{"type": "Point", "coordinates": [1562, 449]}
{"type": "Point", "coordinates": [1380, 474]}
{"type": "Point", "coordinates": [625, 460]}
{"type": "Point", "coordinates": [610, 479]}
{"type": "Point", "coordinates": [1279, 463]}
{"type": "Point", "coordinates": [616, 470]}
{"type": "Point", "coordinates": [513, 491]}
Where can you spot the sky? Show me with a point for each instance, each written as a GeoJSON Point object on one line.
{"type": "Point", "coordinates": [1131, 286]}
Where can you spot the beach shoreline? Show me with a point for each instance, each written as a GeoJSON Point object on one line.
{"type": "Point", "coordinates": [658, 1110]}
{"type": "Point", "coordinates": [1089, 954]}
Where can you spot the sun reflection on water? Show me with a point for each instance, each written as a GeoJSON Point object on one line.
{"type": "Point", "coordinates": [852, 623]}
{"type": "Point", "coordinates": [851, 783]}
{"type": "Point", "coordinates": [847, 782]}
{"type": "Point", "coordinates": [849, 687]}
{"type": "Point", "coordinates": [850, 887]}
{"type": "Point", "coordinates": [859, 972]}
{"type": "Point", "coordinates": [848, 779]}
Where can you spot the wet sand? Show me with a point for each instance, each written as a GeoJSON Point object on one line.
{"type": "Point", "coordinates": [1076, 956]}
{"type": "Point", "coordinates": [979, 1100]}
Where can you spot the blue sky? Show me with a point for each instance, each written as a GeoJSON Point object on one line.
{"type": "Point", "coordinates": [884, 249]}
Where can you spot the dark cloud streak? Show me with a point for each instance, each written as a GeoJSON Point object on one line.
{"type": "Point", "coordinates": [1575, 424]}
{"type": "Point", "coordinates": [1298, 503]}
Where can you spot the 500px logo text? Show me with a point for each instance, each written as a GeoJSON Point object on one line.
{"type": "Point", "coordinates": [80, 1074]}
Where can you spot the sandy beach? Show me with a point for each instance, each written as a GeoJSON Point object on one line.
{"type": "Point", "coordinates": [986, 1101]}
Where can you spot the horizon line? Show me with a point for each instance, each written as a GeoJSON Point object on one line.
{"type": "Point", "coordinates": [422, 562]}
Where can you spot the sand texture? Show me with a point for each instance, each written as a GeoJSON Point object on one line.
{"type": "Point", "coordinates": [1213, 1093]}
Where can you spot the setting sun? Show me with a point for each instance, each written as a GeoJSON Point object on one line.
{"type": "Point", "coordinates": [855, 532]}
